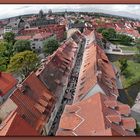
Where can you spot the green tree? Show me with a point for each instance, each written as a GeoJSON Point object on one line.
{"type": "Point", "coordinates": [23, 63]}
{"type": "Point", "coordinates": [137, 44]}
{"type": "Point", "coordinates": [50, 45]}
{"type": "Point", "coordinates": [124, 39]}
{"type": "Point", "coordinates": [112, 33]}
{"type": "Point", "coordinates": [109, 33]}
{"type": "Point", "coordinates": [99, 30]}
{"type": "Point", "coordinates": [137, 130]}
{"type": "Point", "coordinates": [21, 45]}
{"type": "Point", "coordinates": [3, 57]}
{"type": "Point", "coordinates": [2, 48]}
{"type": "Point", "coordinates": [9, 37]}
{"type": "Point", "coordinates": [9, 51]}
{"type": "Point", "coordinates": [106, 34]}
{"type": "Point", "coordinates": [3, 61]}
{"type": "Point", "coordinates": [123, 65]}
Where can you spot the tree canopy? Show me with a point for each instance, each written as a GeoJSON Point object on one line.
{"type": "Point", "coordinates": [9, 37]}
{"type": "Point", "coordinates": [4, 55]}
{"type": "Point", "coordinates": [22, 45]}
{"type": "Point", "coordinates": [23, 63]}
{"type": "Point", "coordinates": [111, 35]}
{"type": "Point", "coordinates": [2, 48]}
{"type": "Point", "coordinates": [124, 64]}
{"type": "Point", "coordinates": [99, 30]}
{"type": "Point", "coordinates": [137, 44]}
{"type": "Point", "coordinates": [124, 39]}
{"type": "Point", "coordinates": [106, 34]}
{"type": "Point", "coordinates": [50, 45]}
{"type": "Point", "coordinates": [3, 60]}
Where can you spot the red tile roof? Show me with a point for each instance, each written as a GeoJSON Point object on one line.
{"type": "Point", "coordinates": [114, 118]}
{"type": "Point", "coordinates": [123, 109]}
{"type": "Point", "coordinates": [58, 67]}
{"type": "Point", "coordinates": [77, 36]}
{"type": "Point", "coordinates": [87, 76]}
{"type": "Point", "coordinates": [95, 100]}
{"type": "Point", "coordinates": [54, 29]}
{"type": "Point", "coordinates": [111, 103]}
{"type": "Point", "coordinates": [95, 69]}
{"type": "Point", "coordinates": [35, 102]}
{"type": "Point", "coordinates": [14, 125]}
{"type": "Point", "coordinates": [81, 118]}
{"type": "Point", "coordinates": [107, 78]}
{"type": "Point", "coordinates": [23, 37]}
{"type": "Point", "coordinates": [31, 29]}
{"type": "Point", "coordinates": [43, 35]}
{"type": "Point", "coordinates": [129, 123]}
{"type": "Point", "coordinates": [84, 114]}
{"type": "Point", "coordinates": [129, 31]}
{"type": "Point", "coordinates": [7, 82]}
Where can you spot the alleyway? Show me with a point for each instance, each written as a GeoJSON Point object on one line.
{"type": "Point", "coordinates": [69, 93]}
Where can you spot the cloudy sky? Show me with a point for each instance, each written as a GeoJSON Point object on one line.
{"type": "Point", "coordinates": [9, 10]}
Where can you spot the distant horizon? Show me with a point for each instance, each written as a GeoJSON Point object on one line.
{"type": "Point", "coordinates": [111, 14]}
{"type": "Point", "coordinates": [125, 10]}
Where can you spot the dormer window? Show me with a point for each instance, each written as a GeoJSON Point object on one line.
{"type": "Point", "coordinates": [23, 116]}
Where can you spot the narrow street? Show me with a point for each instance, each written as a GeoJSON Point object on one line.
{"type": "Point", "coordinates": [69, 93]}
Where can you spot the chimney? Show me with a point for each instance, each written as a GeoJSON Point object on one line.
{"type": "Point", "coordinates": [21, 87]}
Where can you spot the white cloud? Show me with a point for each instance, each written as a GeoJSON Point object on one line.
{"type": "Point", "coordinates": [9, 10]}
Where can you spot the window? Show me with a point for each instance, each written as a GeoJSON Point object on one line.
{"type": "Point", "coordinates": [106, 61]}
{"type": "Point", "coordinates": [84, 70]}
{"type": "Point", "coordinates": [83, 78]}
{"type": "Point", "coordinates": [85, 65]}
{"type": "Point", "coordinates": [88, 64]}
{"type": "Point", "coordinates": [23, 116]}
{"type": "Point", "coordinates": [81, 88]}
{"type": "Point", "coordinates": [64, 129]}
{"type": "Point", "coordinates": [80, 95]}
{"type": "Point", "coordinates": [82, 82]}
